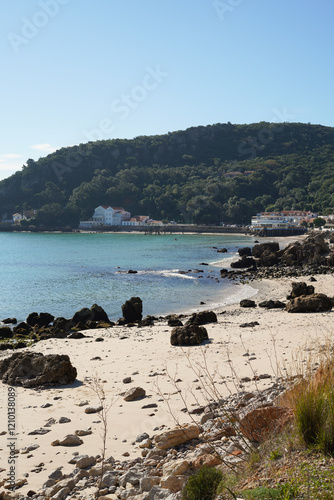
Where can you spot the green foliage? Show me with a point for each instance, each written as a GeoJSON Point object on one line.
{"type": "Point", "coordinates": [202, 485]}
{"type": "Point", "coordinates": [319, 222]}
{"type": "Point", "coordinates": [286, 491]}
{"type": "Point", "coordinates": [210, 174]}
{"type": "Point", "coordinates": [315, 415]}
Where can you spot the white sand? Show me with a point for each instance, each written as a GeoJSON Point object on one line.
{"type": "Point", "coordinates": [146, 355]}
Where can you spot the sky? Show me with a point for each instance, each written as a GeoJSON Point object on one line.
{"type": "Point", "coordinates": [80, 70]}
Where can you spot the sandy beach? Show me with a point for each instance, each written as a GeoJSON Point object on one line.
{"type": "Point", "coordinates": [146, 355]}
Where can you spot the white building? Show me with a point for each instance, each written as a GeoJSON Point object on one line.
{"type": "Point", "coordinates": [137, 220]}
{"type": "Point", "coordinates": [105, 215]}
{"type": "Point", "coordinates": [281, 220]}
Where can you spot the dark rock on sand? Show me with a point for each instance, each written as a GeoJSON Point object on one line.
{"type": "Point", "coordinates": [245, 251]}
{"type": "Point", "coordinates": [174, 321]}
{"type": "Point", "coordinates": [247, 303]}
{"type": "Point", "coordinates": [99, 313]}
{"type": "Point", "coordinates": [249, 325]}
{"type": "Point", "coordinates": [272, 304]}
{"type": "Point", "coordinates": [22, 329]}
{"type": "Point", "coordinates": [202, 318]}
{"type": "Point", "coordinates": [300, 288]}
{"type": "Point", "coordinates": [134, 394]}
{"type": "Point", "coordinates": [318, 302]}
{"type": "Point", "coordinates": [188, 335]}
{"type": "Point", "coordinates": [148, 321]}
{"type": "Point", "coordinates": [259, 249]}
{"type": "Point", "coordinates": [244, 263]}
{"type": "Point", "coordinates": [83, 315]}
{"type": "Point", "coordinates": [31, 369]}
{"type": "Point", "coordinates": [132, 310]}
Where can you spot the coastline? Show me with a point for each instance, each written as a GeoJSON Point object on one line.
{"type": "Point", "coordinates": [145, 355]}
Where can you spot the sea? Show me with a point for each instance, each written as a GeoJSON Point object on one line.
{"type": "Point", "coordinates": [60, 273]}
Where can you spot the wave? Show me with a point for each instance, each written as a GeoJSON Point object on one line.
{"type": "Point", "coordinates": [169, 273]}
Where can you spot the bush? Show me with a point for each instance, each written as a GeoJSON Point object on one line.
{"type": "Point", "coordinates": [202, 485]}
{"type": "Point", "coordinates": [315, 413]}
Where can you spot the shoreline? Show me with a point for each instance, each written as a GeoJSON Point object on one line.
{"type": "Point", "coordinates": [154, 366]}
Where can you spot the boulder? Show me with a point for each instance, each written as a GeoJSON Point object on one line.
{"type": "Point", "coordinates": [259, 249]}
{"type": "Point", "coordinates": [132, 310]}
{"type": "Point", "coordinates": [222, 250]}
{"type": "Point", "coordinates": [42, 319]}
{"type": "Point", "coordinates": [63, 324]}
{"type": "Point", "coordinates": [6, 332]}
{"type": "Point", "coordinates": [202, 318]}
{"type": "Point", "coordinates": [83, 315]}
{"type": "Point", "coordinates": [318, 302]}
{"type": "Point", "coordinates": [272, 304]}
{"type": "Point", "coordinates": [148, 321]}
{"type": "Point", "coordinates": [9, 321]}
{"type": "Point", "coordinates": [206, 460]}
{"type": "Point", "coordinates": [31, 369]}
{"type": "Point", "coordinates": [245, 251]}
{"type": "Point", "coordinates": [174, 321]}
{"type": "Point", "coordinates": [176, 436]}
{"type": "Point", "coordinates": [22, 329]}
{"type": "Point", "coordinates": [258, 423]}
{"type": "Point", "coordinates": [69, 440]}
{"type": "Point", "coordinates": [134, 394]}
{"type": "Point", "coordinates": [188, 335]}
{"type": "Point", "coordinates": [300, 288]}
{"type": "Point", "coordinates": [268, 258]}
{"type": "Point", "coordinates": [244, 263]}
{"type": "Point", "coordinates": [247, 303]}
{"type": "Point", "coordinates": [99, 314]}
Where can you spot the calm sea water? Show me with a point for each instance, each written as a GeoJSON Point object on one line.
{"type": "Point", "coordinates": [61, 273]}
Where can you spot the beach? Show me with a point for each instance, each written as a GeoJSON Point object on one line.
{"type": "Point", "coordinates": [171, 377]}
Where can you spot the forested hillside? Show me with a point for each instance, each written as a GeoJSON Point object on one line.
{"type": "Point", "coordinates": [209, 174]}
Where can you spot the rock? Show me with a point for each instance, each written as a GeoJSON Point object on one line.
{"type": "Point", "coordinates": [249, 325]}
{"type": "Point", "coordinates": [176, 436]}
{"type": "Point", "coordinates": [146, 483]}
{"type": "Point", "coordinates": [202, 318]}
{"type": "Point", "coordinates": [247, 303]}
{"type": "Point", "coordinates": [39, 432]}
{"type": "Point", "coordinates": [134, 394]}
{"type": "Point", "coordinates": [222, 250]}
{"type": "Point", "coordinates": [269, 258]}
{"type": "Point", "coordinates": [300, 288]}
{"type": "Point", "coordinates": [93, 409]}
{"type": "Point", "coordinates": [84, 461]}
{"type": "Point", "coordinates": [31, 369]}
{"type": "Point", "coordinates": [63, 324]}
{"type": "Point", "coordinates": [206, 460]}
{"type": "Point", "coordinates": [22, 329]}
{"type": "Point", "coordinates": [174, 321]}
{"type": "Point", "coordinates": [83, 432]}
{"type": "Point", "coordinates": [64, 420]}
{"type": "Point", "coordinates": [173, 483]}
{"type": "Point", "coordinates": [188, 335]}
{"type": "Point", "coordinates": [257, 424]}
{"type": "Point", "coordinates": [6, 332]}
{"type": "Point", "coordinates": [132, 310]}
{"type": "Point", "coordinates": [244, 263]}
{"type": "Point", "coordinates": [175, 467]}
{"type": "Point", "coordinates": [127, 380]}
{"type": "Point", "coordinates": [259, 249]}
{"type": "Point", "coordinates": [99, 314]}
{"type": "Point", "coordinates": [9, 321]}
{"type": "Point", "coordinates": [142, 437]}
{"type": "Point", "coordinates": [83, 315]}
{"type": "Point", "coordinates": [76, 335]}
{"type": "Point", "coordinates": [109, 479]}
{"type": "Point", "coordinates": [245, 251]}
{"type": "Point", "coordinates": [272, 304]}
{"type": "Point", "coordinates": [42, 319]}
{"type": "Point", "coordinates": [318, 302]}
{"type": "Point", "coordinates": [148, 321]}
{"type": "Point", "coordinates": [69, 440]}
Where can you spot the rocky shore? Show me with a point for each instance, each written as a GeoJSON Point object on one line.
{"type": "Point", "coordinates": [172, 404]}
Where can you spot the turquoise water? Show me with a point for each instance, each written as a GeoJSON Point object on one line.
{"type": "Point", "coordinates": [61, 273]}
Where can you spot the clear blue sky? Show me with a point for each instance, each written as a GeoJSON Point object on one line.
{"type": "Point", "coordinates": [75, 70]}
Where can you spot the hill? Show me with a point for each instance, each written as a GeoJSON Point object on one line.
{"type": "Point", "coordinates": [220, 172]}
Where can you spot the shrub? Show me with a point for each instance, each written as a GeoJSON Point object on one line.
{"type": "Point", "coordinates": [314, 411]}
{"type": "Point", "coordinates": [202, 485]}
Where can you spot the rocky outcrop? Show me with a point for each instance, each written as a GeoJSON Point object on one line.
{"type": "Point", "coordinates": [132, 310]}
{"type": "Point", "coordinates": [317, 302]}
{"type": "Point", "coordinates": [272, 304]}
{"type": "Point", "coordinates": [245, 251]}
{"type": "Point", "coordinates": [202, 318]}
{"type": "Point", "coordinates": [244, 263]}
{"type": "Point", "coordinates": [31, 369]}
{"type": "Point", "coordinates": [188, 335]}
{"type": "Point", "coordinates": [6, 332]}
{"type": "Point", "coordinates": [258, 250]}
{"type": "Point", "coordinates": [258, 423]}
